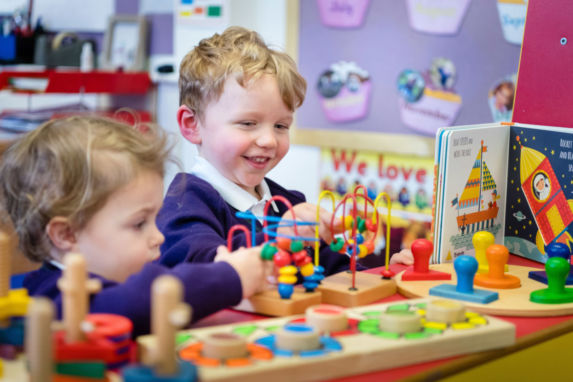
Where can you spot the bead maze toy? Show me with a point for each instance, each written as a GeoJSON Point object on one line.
{"type": "Point", "coordinates": [513, 299]}
{"type": "Point", "coordinates": [356, 288]}
{"type": "Point", "coordinates": [289, 257]}
{"type": "Point", "coordinates": [330, 341]}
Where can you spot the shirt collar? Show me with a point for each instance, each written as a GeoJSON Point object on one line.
{"type": "Point", "coordinates": [234, 195]}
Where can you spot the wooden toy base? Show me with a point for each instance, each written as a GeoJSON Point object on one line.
{"type": "Point", "coordinates": [271, 304]}
{"type": "Point", "coordinates": [363, 348]}
{"type": "Point", "coordinates": [511, 302]}
{"type": "Point", "coordinates": [370, 287]}
{"type": "Point", "coordinates": [16, 370]}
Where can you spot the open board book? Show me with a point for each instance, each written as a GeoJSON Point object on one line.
{"type": "Point", "coordinates": [514, 180]}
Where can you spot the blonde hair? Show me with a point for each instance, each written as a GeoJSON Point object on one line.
{"type": "Point", "coordinates": [69, 167]}
{"type": "Point", "coordinates": [236, 53]}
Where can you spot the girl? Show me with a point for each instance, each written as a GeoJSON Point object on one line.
{"type": "Point", "coordinates": [94, 186]}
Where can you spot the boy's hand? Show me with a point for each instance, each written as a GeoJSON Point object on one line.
{"type": "Point", "coordinates": [405, 256]}
{"type": "Point", "coordinates": [248, 264]}
{"type": "Point", "coordinates": [306, 212]}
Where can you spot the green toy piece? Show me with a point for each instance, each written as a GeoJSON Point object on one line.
{"type": "Point", "coordinates": [557, 269]}
{"type": "Point", "coordinates": [268, 252]}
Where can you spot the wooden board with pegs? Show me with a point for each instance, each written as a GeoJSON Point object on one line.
{"type": "Point", "coordinates": [511, 302]}
{"type": "Point", "coordinates": [331, 341]}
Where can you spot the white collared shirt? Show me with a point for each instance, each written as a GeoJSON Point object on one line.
{"type": "Point", "coordinates": [234, 195]}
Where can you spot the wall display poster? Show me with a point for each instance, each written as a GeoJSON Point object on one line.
{"type": "Point", "coordinates": [408, 180]}
{"type": "Point", "coordinates": [407, 67]}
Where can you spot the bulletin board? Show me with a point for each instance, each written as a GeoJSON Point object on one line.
{"type": "Point", "coordinates": [394, 44]}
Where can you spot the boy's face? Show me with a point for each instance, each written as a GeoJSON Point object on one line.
{"type": "Point", "coordinates": [122, 236]}
{"type": "Point", "coordinates": [245, 133]}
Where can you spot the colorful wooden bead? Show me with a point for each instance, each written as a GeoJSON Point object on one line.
{"type": "Point", "coordinates": [285, 291]}
{"type": "Point", "coordinates": [283, 243]}
{"type": "Point", "coordinates": [348, 222]}
{"type": "Point", "coordinates": [307, 269]}
{"type": "Point", "coordinates": [299, 256]}
{"type": "Point", "coordinates": [337, 244]}
{"type": "Point", "coordinates": [268, 252]}
{"type": "Point", "coordinates": [296, 246]}
{"type": "Point", "coordinates": [371, 226]}
{"type": "Point", "coordinates": [282, 259]}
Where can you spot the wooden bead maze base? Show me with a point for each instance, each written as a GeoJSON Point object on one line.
{"type": "Point", "coordinates": [370, 287]}
{"type": "Point", "coordinates": [270, 303]}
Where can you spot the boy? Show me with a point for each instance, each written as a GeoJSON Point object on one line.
{"type": "Point", "coordinates": [237, 99]}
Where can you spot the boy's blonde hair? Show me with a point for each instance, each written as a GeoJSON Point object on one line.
{"type": "Point", "coordinates": [69, 167]}
{"type": "Point", "coordinates": [241, 54]}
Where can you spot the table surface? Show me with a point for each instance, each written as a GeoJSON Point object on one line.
{"type": "Point", "coordinates": [529, 331]}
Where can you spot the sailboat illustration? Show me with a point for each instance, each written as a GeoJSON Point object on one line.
{"type": "Point", "coordinates": [473, 214]}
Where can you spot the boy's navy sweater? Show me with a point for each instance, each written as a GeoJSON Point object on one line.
{"type": "Point", "coordinates": [195, 220]}
{"type": "Point", "coordinates": [208, 288]}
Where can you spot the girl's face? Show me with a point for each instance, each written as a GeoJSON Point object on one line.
{"type": "Point", "coordinates": [122, 236]}
{"type": "Point", "coordinates": [245, 133]}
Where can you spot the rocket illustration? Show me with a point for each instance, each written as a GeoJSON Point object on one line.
{"type": "Point", "coordinates": [545, 196]}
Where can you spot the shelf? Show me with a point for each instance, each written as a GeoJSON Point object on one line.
{"type": "Point", "coordinates": [51, 81]}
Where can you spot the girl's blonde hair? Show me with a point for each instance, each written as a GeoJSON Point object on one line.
{"type": "Point", "coordinates": [236, 53]}
{"type": "Point", "coordinates": [69, 167]}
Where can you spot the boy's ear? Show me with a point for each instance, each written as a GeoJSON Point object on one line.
{"type": "Point", "coordinates": [188, 124]}
{"type": "Point", "coordinates": [61, 233]}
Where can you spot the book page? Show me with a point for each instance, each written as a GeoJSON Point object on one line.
{"type": "Point", "coordinates": [540, 190]}
{"type": "Point", "coordinates": [473, 188]}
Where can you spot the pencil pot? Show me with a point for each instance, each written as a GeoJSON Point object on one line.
{"type": "Point", "coordinates": [25, 46]}
{"type": "Point", "coordinates": [7, 48]}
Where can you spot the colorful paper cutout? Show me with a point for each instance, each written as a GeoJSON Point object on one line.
{"type": "Point", "coordinates": [512, 19]}
{"type": "Point", "coordinates": [343, 13]}
{"type": "Point", "coordinates": [428, 100]}
{"type": "Point", "coordinates": [437, 16]}
{"type": "Point", "coordinates": [345, 92]}
{"type": "Point", "coordinates": [500, 99]}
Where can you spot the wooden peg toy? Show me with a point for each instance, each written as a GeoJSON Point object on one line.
{"type": "Point", "coordinates": [13, 304]}
{"type": "Point", "coordinates": [445, 311]}
{"type": "Point", "coordinates": [497, 256]}
{"type": "Point", "coordinates": [75, 295]}
{"type": "Point", "coordinates": [466, 268]}
{"type": "Point", "coordinates": [400, 322]}
{"type": "Point", "coordinates": [327, 318]}
{"type": "Point", "coordinates": [422, 250]}
{"type": "Point", "coordinates": [555, 250]}
{"type": "Point", "coordinates": [89, 344]}
{"type": "Point", "coordinates": [39, 342]}
{"type": "Point", "coordinates": [557, 269]}
{"type": "Point", "coordinates": [168, 314]}
{"type": "Point", "coordinates": [297, 338]}
{"type": "Point", "coordinates": [481, 241]}
{"type": "Point", "coordinates": [5, 264]}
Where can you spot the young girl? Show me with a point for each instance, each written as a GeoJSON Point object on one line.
{"type": "Point", "coordinates": [94, 186]}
